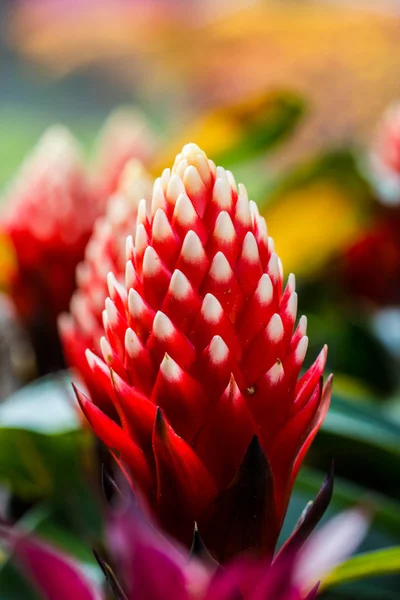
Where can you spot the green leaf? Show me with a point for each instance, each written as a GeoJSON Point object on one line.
{"type": "Point", "coordinates": [370, 564]}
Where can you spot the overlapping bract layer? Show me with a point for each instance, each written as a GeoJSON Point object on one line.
{"type": "Point", "coordinates": [201, 354]}
{"type": "Point", "coordinates": [105, 253]}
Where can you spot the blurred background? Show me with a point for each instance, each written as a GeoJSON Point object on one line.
{"type": "Point", "coordinates": [301, 100]}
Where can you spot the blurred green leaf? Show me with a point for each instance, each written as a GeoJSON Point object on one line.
{"type": "Point", "coordinates": [370, 564]}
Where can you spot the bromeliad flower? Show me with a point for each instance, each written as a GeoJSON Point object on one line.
{"type": "Point", "coordinates": [105, 252]}
{"type": "Point", "coordinates": [40, 219]}
{"type": "Point", "coordinates": [201, 359]}
{"type": "Point", "coordinates": [142, 564]}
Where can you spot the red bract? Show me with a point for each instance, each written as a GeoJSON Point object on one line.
{"type": "Point", "coordinates": [200, 357]}
{"type": "Point", "coordinates": [105, 252]}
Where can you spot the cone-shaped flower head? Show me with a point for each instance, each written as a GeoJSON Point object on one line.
{"type": "Point", "coordinates": [104, 254]}
{"type": "Point", "coordinates": [40, 216]}
{"type": "Point", "coordinates": [200, 354]}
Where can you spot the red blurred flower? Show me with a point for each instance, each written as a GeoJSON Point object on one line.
{"type": "Point", "coordinates": [201, 360]}
{"type": "Point", "coordinates": [370, 266]}
{"type": "Point", "coordinates": [385, 157]}
{"type": "Point", "coordinates": [40, 216]}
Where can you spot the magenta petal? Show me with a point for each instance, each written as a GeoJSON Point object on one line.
{"type": "Point", "coordinates": [56, 576]}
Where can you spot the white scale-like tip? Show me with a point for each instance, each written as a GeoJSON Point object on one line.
{"type": "Point", "coordinates": [253, 211]}
{"type": "Point", "coordinates": [262, 230]}
{"type": "Point", "coordinates": [170, 369]}
{"type": "Point", "coordinates": [292, 305]}
{"type": "Point", "coordinates": [211, 309]}
{"type": "Point", "coordinates": [291, 282]}
{"type": "Point", "coordinates": [184, 211]}
{"type": "Point", "coordinates": [276, 373]}
{"type": "Point", "coordinates": [162, 326]}
{"type": "Point", "coordinates": [192, 248]}
{"type": "Point", "coordinates": [165, 177]}
{"type": "Point", "coordinates": [243, 191]}
{"type": "Point", "coordinates": [175, 188]}
{"type": "Point", "coordinates": [158, 198]}
{"type": "Point", "coordinates": [273, 267]}
{"type": "Point", "coordinates": [129, 248]}
{"type": "Point", "coordinates": [142, 211]}
{"type": "Point", "coordinates": [231, 180]}
{"type": "Point", "coordinates": [222, 194]}
{"type": "Point", "coordinates": [271, 245]}
{"type": "Point", "coordinates": [180, 166]}
{"type": "Point", "coordinates": [132, 343]}
{"type": "Point", "coordinates": [179, 285]}
{"type": "Point", "coordinates": [265, 290]}
{"type": "Point", "coordinates": [141, 239]}
{"type": "Point", "coordinates": [250, 248]}
{"type": "Point", "coordinates": [301, 350]}
{"type": "Point", "coordinates": [302, 326]}
{"type": "Point", "coordinates": [112, 313]}
{"type": "Point", "coordinates": [112, 284]}
{"type": "Point", "coordinates": [190, 150]}
{"type": "Point", "coordinates": [90, 358]}
{"type": "Point", "coordinates": [106, 350]}
{"type": "Point", "coordinates": [224, 229]}
{"type": "Point", "coordinates": [161, 228]}
{"type": "Point", "coordinates": [220, 269]}
{"type": "Point", "coordinates": [219, 351]}
{"type": "Point", "coordinates": [151, 262]}
{"type": "Point", "coordinates": [275, 329]}
{"type": "Point", "coordinates": [130, 277]}
{"type": "Point", "coordinates": [135, 303]}
{"type": "Point", "coordinates": [242, 210]}
{"type": "Point", "coordinates": [192, 180]}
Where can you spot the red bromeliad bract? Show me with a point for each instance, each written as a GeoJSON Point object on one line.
{"type": "Point", "coordinates": [201, 359]}
{"type": "Point", "coordinates": [105, 252]}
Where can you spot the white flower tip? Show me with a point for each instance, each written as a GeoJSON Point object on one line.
{"type": "Point", "coordinates": [192, 248]}
{"type": "Point", "coordinates": [129, 248]}
{"type": "Point", "coordinates": [169, 368]}
{"type": "Point", "coordinates": [301, 350]}
{"type": "Point", "coordinates": [141, 239]}
{"type": "Point", "coordinates": [151, 262]}
{"type": "Point", "coordinates": [250, 248]}
{"type": "Point", "coordinates": [273, 266]}
{"type": "Point", "coordinates": [90, 358]}
{"type": "Point", "coordinates": [162, 326]}
{"type": "Point", "coordinates": [222, 194]}
{"type": "Point", "coordinates": [211, 309]}
{"type": "Point", "coordinates": [175, 187]}
{"type": "Point", "coordinates": [275, 329]}
{"type": "Point", "coordinates": [224, 229]}
{"type": "Point", "coordinates": [292, 282]}
{"type": "Point", "coordinates": [106, 350]}
{"type": "Point", "coordinates": [112, 313]}
{"type": "Point", "coordinates": [184, 210]}
{"type": "Point", "coordinates": [265, 289]}
{"type": "Point", "coordinates": [303, 325]}
{"type": "Point", "coordinates": [219, 351]}
{"type": "Point", "coordinates": [276, 373]}
{"type": "Point", "coordinates": [132, 344]}
{"type": "Point", "coordinates": [135, 303]}
{"type": "Point", "coordinates": [192, 180]}
{"type": "Point", "coordinates": [220, 269]}
{"type": "Point", "coordinates": [161, 228]}
{"type": "Point", "coordinates": [292, 305]}
{"type": "Point", "coordinates": [179, 285]}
